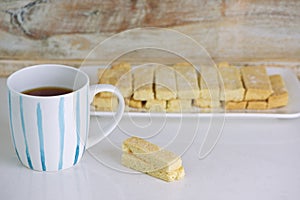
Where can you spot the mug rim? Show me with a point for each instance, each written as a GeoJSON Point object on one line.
{"type": "Point", "coordinates": [12, 89]}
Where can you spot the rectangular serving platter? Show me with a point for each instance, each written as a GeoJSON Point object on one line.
{"type": "Point", "coordinates": [292, 110]}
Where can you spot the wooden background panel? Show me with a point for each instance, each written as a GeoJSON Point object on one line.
{"type": "Point", "coordinates": [41, 19]}
{"type": "Point", "coordinates": [53, 31]}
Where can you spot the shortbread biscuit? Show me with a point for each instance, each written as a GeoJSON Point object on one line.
{"type": "Point", "coordinates": [234, 105]}
{"type": "Point", "coordinates": [138, 145]}
{"type": "Point", "coordinates": [124, 83]}
{"type": "Point", "coordinates": [203, 103]}
{"type": "Point", "coordinates": [143, 79]}
{"type": "Point", "coordinates": [131, 161]}
{"type": "Point", "coordinates": [135, 103]}
{"type": "Point", "coordinates": [122, 65]}
{"type": "Point", "coordinates": [100, 74]}
{"type": "Point", "coordinates": [223, 64]}
{"type": "Point", "coordinates": [108, 76]}
{"type": "Point", "coordinates": [257, 83]}
{"type": "Point", "coordinates": [103, 75]}
{"type": "Point", "coordinates": [156, 157]}
{"type": "Point", "coordinates": [103, 78]}
{"type": "Point", "coordinates": [165, 83]}
{"type": "Point", "coordinates": [149, 158]}
{"type": "Point", "coordinates": [108, 104]}
{"type": "Point", "coordinates": [156, 105]}
{"type": "Point", "coordinates": [209, 84]}
{"type": "Point", "coordinates": [186, 82]}
{"type": "Point", "coordinates": [179, 105]}
{"type": "Point", "coordinates": [280, 96]}
{"type": "Point", "coordinates": [231, 84]}
{"type": "Point", "coordinates": [183, 64]}
{"type": "Point", "coordinates": [149, 162]}
{"type": "Point", "coordinates": [119, 77]}
{"type": "Point", "coordinates": [169, 176]}
{"type": "Point", "coordinates": [257, 105]}
{"type": "Point", "coordinates": [126, 101]}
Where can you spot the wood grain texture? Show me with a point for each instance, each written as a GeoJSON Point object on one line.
{"type": "Point", "coordinates": [43, 18]}
{"type": "Point", "coordinates": [247, 31]}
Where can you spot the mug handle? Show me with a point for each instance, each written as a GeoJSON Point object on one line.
{"type": "Point", "coordinates": [95, 89]}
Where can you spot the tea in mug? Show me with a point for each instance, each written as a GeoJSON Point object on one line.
{"type": "Point", "coordinates": [48, 91]}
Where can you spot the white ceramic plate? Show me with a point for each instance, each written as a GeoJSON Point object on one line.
{"type": "Point", "coordinates": [292, 110]}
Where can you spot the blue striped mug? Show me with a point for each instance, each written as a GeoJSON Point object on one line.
{"type": "Point", "coordinates": [50, 133]}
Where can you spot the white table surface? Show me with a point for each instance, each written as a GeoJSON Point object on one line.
{"type": "Point", "coordinates": [254, 159]}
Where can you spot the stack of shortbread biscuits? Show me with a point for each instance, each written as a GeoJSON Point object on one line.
{"type": "Point", "coordinates": [181, 88]}
{"type": "Point", "coordinates": [143, 156]}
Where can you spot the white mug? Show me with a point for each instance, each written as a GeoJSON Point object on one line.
{"type": "Point", "coordinates": [50, 133]}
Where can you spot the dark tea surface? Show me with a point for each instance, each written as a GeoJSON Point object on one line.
{"type": "Point", "coordinates": [47, 91]}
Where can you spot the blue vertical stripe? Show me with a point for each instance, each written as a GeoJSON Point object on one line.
{"type": "Point", "coordinates": [61, 130]}
{"type": "Point", "coordinates": [11, 124]}
{"type": "Point", "coordinates": [41, 135]}
{"type": "Point", "coordinates": [24, 133]}
{"type": "Point", "coordinates": [77, 127]}
{"type": "Point", "coordinates": [87, 119]}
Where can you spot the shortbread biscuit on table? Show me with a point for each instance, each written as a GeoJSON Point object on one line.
{"type": "Point", "coordinates": [156, 105]}
{"type": "Point", "coordinates": [108, 104]}
{"type": "Point", "coordinates": [209, 86]}
{"type": "Point", "coordinates": [204, 103]}
{"type": "Point", "coordinates": [151, 153]}
{"type": "Point", "coordinates": [165, 83]}
{"type": "Point", "coordinates": [231, 84]}
{"type": "Point", "coordinates": [143, 80]}
{"type": "Point", "coordinates": [257, 105]}
{"type": "Point", "coordinates": [138, 145]}
{"type": "Point", "coordinates": [143, 156]}
{"type": "Point", "coordinates": [257, 83]}
{"type": "Point", "coordinates": [179, 105]}
{"type": "Point", "coordinates": [280, 96]}
{"type": "Point", "coordinates": [169, 176]}
{"type": "Point", "coordinates": [131, 161]}
{"type": "Point", "coordinates": [186, 82]}
{"type": "Point", "coordinates": [234, 105]}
